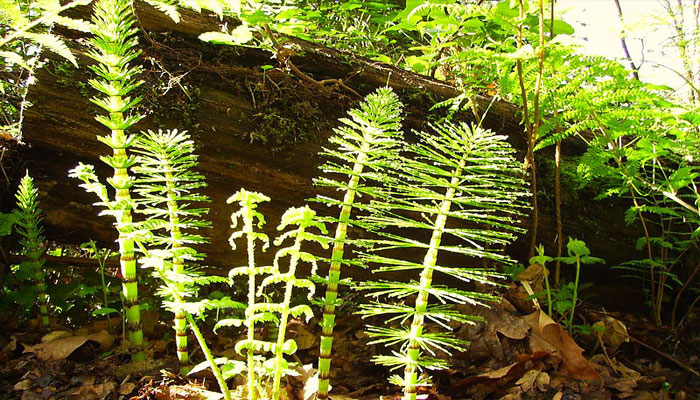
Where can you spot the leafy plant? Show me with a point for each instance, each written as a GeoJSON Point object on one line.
{"type": "Point", "coordinates": [459, 174]}
{"type": "Point", "coordinates": [113, 48]}
{"type": "Point", "coordinates": [167, 184]}
{"type": "Point", "coordinates": [367, 138]}
{"type": "Point", "coordinates": [302, 219]}
{"type": "Point", "coordinates": [578, 254]}
{"type": "Point", "coordinates": [248, 202]}
{"type": "Point", "coordinates": [542, 260]}
{"type": "Point", "coordinates": [28, 222]}
{"type": "Point", "coordinates": [101, 255]}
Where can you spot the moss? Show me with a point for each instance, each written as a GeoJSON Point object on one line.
{"type": "Point", "coordinates": [68, 76]}
{"type": "Point", "coordinates": [288, 111]}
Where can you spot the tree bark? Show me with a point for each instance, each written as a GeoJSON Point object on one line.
{"type": "Point", "coordinates": [261, 130]}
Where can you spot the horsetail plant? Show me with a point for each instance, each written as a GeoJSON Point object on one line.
{"type": "Point", "coordinates": [461, 186]}
{"type": "Point", "coordinates": [252, 219]}
{"type": "Point", "coordinates": [161, 262]}
{"type": "Point", "coordinates": [371, 133]}
{"type": "Point", "coordinates": [303, 218]}
{"type": "Point", "coordinates": [113, 47]}
{"type": "Point", "coordinates": [167, 185]}
{"type": "Point", "coordinates": [28, 220]}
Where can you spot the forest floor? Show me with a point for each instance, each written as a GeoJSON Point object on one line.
{"type": "Point", "coordinates": [519, 353]}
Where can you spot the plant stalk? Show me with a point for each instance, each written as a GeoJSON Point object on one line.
{"type": "Point", "coordinates": [209, 356]}
{"type": "Point", "coordinates": [421, 306]}
{"type": "Point", "coordinates": [284, 315]}
{"type": "Point", "coordinates": [180, 324]}
{"type": "Point", "coordinates": [328, 323]}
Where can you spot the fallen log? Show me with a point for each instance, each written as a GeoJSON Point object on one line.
{"type": "Point", "coordinates": [256, 129]}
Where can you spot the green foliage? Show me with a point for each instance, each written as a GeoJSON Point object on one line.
{"type": "Point", "coordinates": [252, 219]}
{"type": "Point", "coordinates": [457, 173]}
{"type": "Point", "coordinates": [578, 253]}
{"type": "Point", "coordinates": [362, 145]}
{"type": "Point", "coordinates": [113, 48]}
{"type": "Point", "coordinates": [28, 221]}
{"type": "Point", "coordinates": [29, 20]}
{"type": "Point", "coordinates": [542, 260]}
{"type": "Point", "coordinates": [167, 184]}
{"type": "Point", "coordinates": [301, 220]}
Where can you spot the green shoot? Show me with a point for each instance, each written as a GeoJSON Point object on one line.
{"type": "Point", "coordinates": [112, 47]}
{"type": "Point", "coordinates": [542, 260]}
{"type": "Point", "coordinates": [578, 254]}
{"type": "Point", "coordinates": [28, 221]}
{"type": "Point", "coordinates": [458, 175]}
{"type": "Point", "coordinates": [248, 202]}
{"type": "Point", "coordinates": [167, 184]}
{"type": "Point", "coordinates": [302, 218]}
{"type": "Point", "coordinates": [370, 134]}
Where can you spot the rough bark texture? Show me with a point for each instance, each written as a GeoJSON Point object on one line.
{"type": "Point", "coordinates": [257, 130]}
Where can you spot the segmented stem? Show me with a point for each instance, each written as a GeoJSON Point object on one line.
{"type": "Point", "coordinates": [127, 260]}
{"type": "Point", "coordinates": [328, 323]}
{"type": "Point", "coordinates": [180, 324]}
{"type": "Point", "coordinates": [113, 48]}
{"type": "Point", "coordinates": [426, 279]}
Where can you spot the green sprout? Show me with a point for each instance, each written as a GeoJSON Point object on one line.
{"type": "Point", "coordinates": [370, 134]}
{"type": "Point", "coordinates": [113, 48]}
{"type": "Point", "coordinates": [459, 184]}
{"type": "Point", "coordinates": [28, 221]}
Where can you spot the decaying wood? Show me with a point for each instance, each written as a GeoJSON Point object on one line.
{"type": "Point", "coordinates": [221, 95]}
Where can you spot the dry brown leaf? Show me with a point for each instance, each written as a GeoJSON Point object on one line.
{"type": "Point", "coordinates": [126, 388]}
{"type": "Point", "coordinates": [190, 392]}
{"type": "Point", "coordinates": [97, 391]}
{"type": "Point", "coordinates": [527, 380]}
{"type": "Point", "coordinates": [549, 336]}
{"type": "Point", "coordinates": [543, 382]}
{"type": "Point", "coordinates": [60, 349]}
{"type": "Point", "coordinates": [505, 374]}
{"type": "Point", "coordinates": [305, 339]}
{"type": "Point", "coordinates": [55, 335]}
{"type": "Point", "coordinates": [614, 332]}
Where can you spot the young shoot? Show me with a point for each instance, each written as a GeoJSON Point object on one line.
{"type": "Point", "coordinates": [542, 260]}
{"type": "Point", "coordinates": [28, 221]}
{"type": "Point", "coordinates": [252, 219]}
{"type": "Point", "coordinates": [458, 184]}
{"type": "Point", "coordinates": [168, 184]}
{"type": "Point", "coordinates": [113, 48]}
{"type": "Point", "coordinates": [370, 134]}
{"type": "Point", "coordinates": [300, 220]}
{"type": "Point", "coordinates": [578, 253]}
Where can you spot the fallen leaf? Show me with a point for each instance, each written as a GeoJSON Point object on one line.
{"type": "Point", "coordinates": [527, 380]}
{"type": "Point", "coordinates": [505, 374]}
{"type": "Point", "coordinates": [54, 336]}
{"type": "Point", "coordinates": [614, 332]}
{"type": "Point", "coordinates": [97, 391]}
{"type": "Point", "coordinates": [189, 392]}
{"type": "Point", "coordinates": [60, 349]}
{"type": "Point", "coordinates": [543, 382]}
{"type": "Point", "coordinates": [549, 336]}
{"type": "Point", "coordinates": [126, 388]}
{"type": "Point", "coordinates": [305, 339]}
